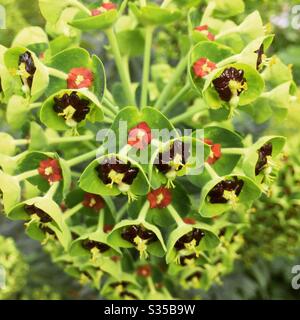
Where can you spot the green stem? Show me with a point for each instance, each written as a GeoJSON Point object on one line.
{"type": "Point", "coordinates": [21, 142]}
{"type": "Point", "coordinates": [124, 75]}
{"type": "Point", "coordinates": [108, 112]}
{"type": "Point", "coordinates": [177, 97]}
{"type": "Point", "coordinates": [100, 221]}
{"type": "Point", "coordinates": [82, 158]}
{"type": "Point", "coordinates": [234, 151]}
{"type": "Point", "coordinates": [121, 212]}
{"type": "Point", "coordinates": [146, 68]}
{"type": "Point", "coordinates": [181, 67]}
{"type": "Point", "coordinates": [20, 155]}
{"type": "Point", "coordinates": [175, 215]}
{"type": "Point", "coordinates": [107, 120]}
{"type": "Point", "coordinates": [208, 12]}
{"type": "Point", "coordinates": [80, 6]}
{"type": "Point", "coordinates": [166, 3]}
{"type": "Point", "coordinates": [70, 139]}
{"type": "Point", "coordinates": [57, 73]}
{"type": "Point", "coordinates": [190, 112]}
{"type": "Point", "coordinates": [35, 105]}
{"type": "Point", "coordinates": [144, 211]}
{"type": "Point", "coordinates": [151, 284]}
{"type": "Point", "coordinates": [27, 174]}
{"type": "Point", "coordinates": [110, 105]}
{"type": "Point", "coordinates": [69, 213]}
{"type": "Point", "coordinates": [51, 192]}
{"type": "Point", "coordinates": [211, 171]}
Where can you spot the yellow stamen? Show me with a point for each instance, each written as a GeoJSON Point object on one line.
{"type": "Point", "coordinates": [68, 112]}
{"type": "Point", "coordinates": [141, 246]}
{"type": "Point", "coordinates": [115, 177]}
{"type": "Point", "coordinates": [79, 79]}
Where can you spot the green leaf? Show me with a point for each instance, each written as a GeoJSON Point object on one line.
{"type": "Point", "coordinates": [101, 22]}
{"type": "Point", "coordinates": [250, 192]}
{"type": "Point", "coordinates": [7, 144]}
{"type": "Point", "coordinates": [30, 36]}
{"type": "Point", "coordinates": [51, 9]}
{"type": "Point", "coordinates": [227, 8]}
{"type": "Point", "coordinates": [136, 40]}
{"type": "Point", "coordinates": [38, 139]}
{"type": "Point", "coordinates": [17, 111]}
{"type": "Point", "coordinates": [11, 191]}
{"type": "Point", "coordinates": [154, 15]}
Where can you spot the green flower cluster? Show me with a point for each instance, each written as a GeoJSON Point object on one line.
{"type": "Point", "coordinates": [172, 228]}
{"type": "Point", "coordinates": [13, 269]}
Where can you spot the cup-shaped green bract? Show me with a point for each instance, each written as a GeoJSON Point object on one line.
{"type": "Point", "coordinates": [33, 38]}
{"type": "Point", "coordinates": [102, 21]}
{"type": "Point", "coordinates": [258, 162]}
{"type": "Point", "coordinates": [7, 144]}
{"type": "Point", "coordinates": [213, 53]}
{"type": "Point", "coordinates": [10, 190]}
{"type": "Point", "coordinates": [36, 228]}
{"type": "Point", "coordinates": [155, 246]}
{"type": "Point", "coordinates": [79, 247]}
{"type": "Point", "coordinates": [91, 182]}
{"type": "Point", "coordinates": [154, 15]}
{"type": "Point", "coordinates": [17, 111]}
{"type": "Point", "coordinates": [33, 161]}
{"type": "Point", "coordinates": [248, 192]}
{"type": "Point", "coordinates": [121, 287]}
{"type": "Point", "coordinates": [132, 116]}
{"type": "Point", "coordinates": [77, 61]}
{"type": "Point", "coordinates": [40, 76]}
{"type": "Point", "coordinates": [272, 104]}
{"type": "Point", "coordinates": [226, 8]}
{"type": "Point", "coordinates": [253, 87]}
{"type": "Point", "coordinates": [222, 163]}
{"type": "Point", "coordinates": [207, 242]}
{"type": "Point", "coordinates": [187, 159]}
{"type": "Point", "coordinates": [67, 118]}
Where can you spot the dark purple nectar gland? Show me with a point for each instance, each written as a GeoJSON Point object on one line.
{"type": "Point", "coordinates": [126, 295]}
{"type": "Point", "coordinates": [140, 237]}
{"type": "Point", "coordinates": [173, 160]}
{"type": "Point", "coordinates": [189, 242]}
{"type": "Point", "coordinates": [263, 153]}
{"type": "Point", "coordinates": [72, 108]}
{"type": "Point", "coordinates": [113, 171]}
{"type": "Point", "coordinates": [187, 260]}
{"type": "Point", "coordinates": [1, 90]}
{"type": "Point", "coordinates": [194, 279]}
{"type": "Point", "coordinates": [230, 84]}
{"type": "Point", "coordinates": [226, 191]}
{"type": "Point", "coordinates": [95, 248]}
{"type": "Point", "coordinates": [260, 57]}
{"type": "Point", "coordinates": [42, 215]}
{"type": "Point", "coordinates": [26, 68]}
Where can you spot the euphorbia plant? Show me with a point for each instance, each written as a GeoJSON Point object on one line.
{"type": "Point", "coordinates": [116, 215]}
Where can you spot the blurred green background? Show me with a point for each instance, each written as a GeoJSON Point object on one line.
{"type": "Point", "coordinates": [262, 279]}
